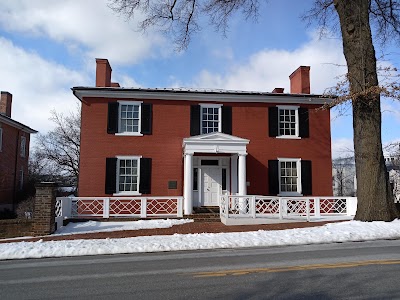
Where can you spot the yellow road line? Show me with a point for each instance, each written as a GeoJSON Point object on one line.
{"type": "Point", "coordinates": [297, 268]}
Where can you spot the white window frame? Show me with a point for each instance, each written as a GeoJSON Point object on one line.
{"type": "Point", "coordinates": [23, 146]}
{"type": "Point", "coordinates": [296, 109]}
{"type": "Point", "coordinates": [139, 103]}
{"type": "Point", "coordinates": [1, 139]}
{"type": "Point", "coordinates": [219, 106]}
{"type": "Point", "coordinates": [298, 165]}
{"type": "Point", "coordinates": [128, 193]}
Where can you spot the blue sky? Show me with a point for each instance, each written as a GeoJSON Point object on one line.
{"type": "Point", "coordinates": [49, 46]}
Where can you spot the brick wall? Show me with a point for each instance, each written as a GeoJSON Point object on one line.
{"type": "Point", "coordinates": [171, 124]}
{"type": "Point", "coordinates": [15, 227]}
{"type": "Point", "coordinates": [43, 222]}
{"type": "Point", "coordinates": [11, 163]}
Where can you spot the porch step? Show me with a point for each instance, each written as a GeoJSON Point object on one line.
{"type": "Point", "coordinates": [205, 217]}
{"type": "Point", "coordinates": [205, 214]}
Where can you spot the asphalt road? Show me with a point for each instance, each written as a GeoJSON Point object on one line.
{"type": "Point", "coordinates": [367, 270]}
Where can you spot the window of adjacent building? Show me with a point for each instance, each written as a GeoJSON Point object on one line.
{"type": "Point", "coordinates": [288, 121]}
{"type": "Point", "coordinates": [210, 118]}
{"type": "Point", "coordinates": [23, 146]}
{"type": "Point", "coordinates": [289, 177]}
{"type": "Point", "coordinates": [129, 117]}
{"type": "Point", "coordinates": [128, 175]}
{"type": "Point", "coordinates": [1, 139]}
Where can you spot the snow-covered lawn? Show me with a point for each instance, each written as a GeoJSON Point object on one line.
{"type": "Point", "coordinates": [329, 233]}
{"type": "Point", "coordinates": [93, 226]}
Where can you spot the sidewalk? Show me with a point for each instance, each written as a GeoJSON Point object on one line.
{"type": "Point", "coordinates": [188, 228]}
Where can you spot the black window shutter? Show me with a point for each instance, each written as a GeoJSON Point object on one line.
{"type": "Point", "coordinates": [304, 127]}
{"type": "Point", "coordinates": [147, 118]}
{"type": "Point", "coordinates": [273, 121]}
{"type": "Point", "coordinates": [273, 177]}
{"type": "Point", "coordinates": [194, 120]}
{"type": "Point", "coordinates": [145, 176]}
{"type": "Point", "coordinates": [306, 177]}
{"type": "Point", "coordinates": [112, 122]}
{"type": "Point", "coordinates": [227, 119]}
{"type": "Point", "coordinates": [111, 175]}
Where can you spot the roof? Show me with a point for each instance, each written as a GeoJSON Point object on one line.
{"type": "Point", "coordinates": [192, 94]}
{"type": "Point", "coordinates": [7, 120]}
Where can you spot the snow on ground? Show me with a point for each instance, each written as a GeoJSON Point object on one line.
{"type": "Point", "coordinates": [95, 226]}
{"type": "Point", "coordinates": [329, 233]}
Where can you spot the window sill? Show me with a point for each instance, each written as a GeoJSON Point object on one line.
{"type": "Point", "coordinates": [290, 195]}
{"type": "Point", "coordinates": [128, 134]}
{"type": "Point", "coordinates": [127, 194]}
{"type": "Point", "coordinates": [288, 137]}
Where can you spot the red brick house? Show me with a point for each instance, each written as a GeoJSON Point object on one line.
{"type": "Point", "coordinates": [14, 153]}
{"type": "Point", "coordinates": [203, 143]}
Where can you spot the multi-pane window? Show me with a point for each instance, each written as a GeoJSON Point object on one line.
{"type": "Point", "coordinates": [288, 121]}
{"type": "Point", "coordinates": [130, 118]}
{"type": "Point", "coordinates": [210, 118]}
{"type": "Point", "coordinates": [289, 177]}
{"type": "Point", "coordinates": [23, 146]}
{"type": "Point", "coordinates": [128, 170]}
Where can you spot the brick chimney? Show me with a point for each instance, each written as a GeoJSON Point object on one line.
{"type": "Point", "coordinates": [300, 81]}
{"type": "Point", "coordinates": [278, 90]}
{"type": "Point", "coordinates": [103, 73]}
{"type": "Point", "coordinates": [5, 103]}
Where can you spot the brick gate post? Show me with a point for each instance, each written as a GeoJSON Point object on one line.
{"type": "Point", "coordinates": [44, 210]}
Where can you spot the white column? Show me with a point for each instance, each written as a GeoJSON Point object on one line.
{"type": "Point", "coordinates": [242, 175]}
{"type": "Point", "coordinates": [234, 174]}
{"type": "Point", "coordinates": [188, 184]}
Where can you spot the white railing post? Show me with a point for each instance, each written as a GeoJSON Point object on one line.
{"type": "Point", "coordinates": [308, 209]}
{"type": "Point", "coordinates": [143, 207]}
{"type": "Point", "coordinates": [180, 207]}
{"type": "Point", "coordinates": [66, 207]}
{"type": "Point", "coordinates": [317, 207]}
{"type": "Point", "coordinates": [280, 208]}
{"type": "Point", "coordinates": [242, 205]}
{"type": "Point", "coordinates": [351, 206]}
{"type": "Point", "coordinates": [253, 206]}
{"type": "Point", "coordinates": [106, 208]}
{"type": "Point", "coordinates": [228, 200]}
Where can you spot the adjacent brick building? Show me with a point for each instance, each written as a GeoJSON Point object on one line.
{"type": "Point", "coordinates": [14, 153]}
{"type": "Point", "coordinates": [203, 143]}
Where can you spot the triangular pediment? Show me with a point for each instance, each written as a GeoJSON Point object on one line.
{"type": "Point", "coordinates": [214, 137]}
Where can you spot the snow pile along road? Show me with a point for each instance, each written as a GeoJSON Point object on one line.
{"type": "Point", "coordinates": [329, 233]}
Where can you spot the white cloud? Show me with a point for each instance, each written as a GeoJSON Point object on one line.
{"type": "Point", "coordinates": [85, 25]}
{"type": "Point", "coordinates": [270, 68]}
{"type": "Point", "coordinates": [37, 85]}
{"type": "Point", "coordinates": [342, 147]}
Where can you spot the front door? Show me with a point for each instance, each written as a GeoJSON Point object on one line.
{"type": "Point", "coordinates": [212, 179]}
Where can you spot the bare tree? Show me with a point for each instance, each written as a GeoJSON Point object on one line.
{"type": "Point", "coordinates": [58, 150]}
{"type": "Point", "coordinates": [344, 174]}
{"type": "Point", "coordinates": [354, 18]}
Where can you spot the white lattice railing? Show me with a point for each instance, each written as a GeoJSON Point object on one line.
{"type": "Point", "coordinates": [103, 207]}
{"type": "Point", "coordinates": [252, 206]}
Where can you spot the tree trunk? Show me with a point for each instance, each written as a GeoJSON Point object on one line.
{"type": "Point", "coordinates": [375, 198]}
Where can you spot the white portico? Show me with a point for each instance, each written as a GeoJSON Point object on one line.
{"type": "Point", "coordinates": [207, 177]}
